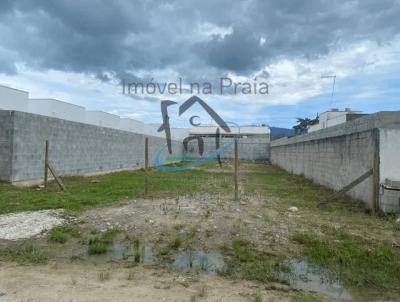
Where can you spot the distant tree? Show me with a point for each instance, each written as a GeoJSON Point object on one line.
{"type": "Point", "coordinates": [303, 124]}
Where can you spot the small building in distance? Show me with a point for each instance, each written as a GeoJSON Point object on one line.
{"type": "Point", "coordinates": [262, 132]}
{"type": "Point", "coordinates": [335, 117]}
{"type": "Point", "coordinates": [253, 142]}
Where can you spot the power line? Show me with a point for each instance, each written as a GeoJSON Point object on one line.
{"type": "Point", "coordinates": [333, 85]}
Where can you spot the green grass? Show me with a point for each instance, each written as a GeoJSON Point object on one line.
{"type": "Point", "coordinates": [296, 189]}
{"type": "Point", "coordinates": [242, 252]}
{"type": "Point", "coordinates": [176, 244]}
{"type": "Point", "coordinates": [359, 263]}
{"type": "Point", "coordinates": [247, 263]}
{"type": "Point", "coordinates": [99, 244]}
{"type": "Point", "coordinates": [24, 254]}
{"type": "Point", "coordinates": [62, 234]}
{"type": "Point", "coordinates": [86, 192]}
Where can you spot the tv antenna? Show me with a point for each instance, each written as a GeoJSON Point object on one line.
{"type": "Point", "coordinates": [333, 85]}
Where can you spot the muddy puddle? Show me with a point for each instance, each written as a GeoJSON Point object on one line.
{"type": "Point", "coordinates": [121, 252]}
{"type": "Point", "coordinates": [209, 263]}
{"type": "Point", "coordinates": [314, 278]}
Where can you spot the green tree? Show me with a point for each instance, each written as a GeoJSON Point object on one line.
{"type": "Point", "coordinates": [303, 124]}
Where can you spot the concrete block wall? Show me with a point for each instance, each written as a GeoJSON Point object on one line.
{"type": "Point", "coordinates": [336, 156]}
{"type": "Point", "coordinates": [333, 162]}
{"type": "Point", "coordinates": [75, 148]}
{"type": "Point", "coordinates": [250, 149]}
{"type": "Point", "coordinates": [6, 132]}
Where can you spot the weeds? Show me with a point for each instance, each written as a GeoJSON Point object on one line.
{"type": "Point", "coordinates": [61, 234]}
{"type": "Point", "coordinates": [258, 297]}
{"type": "Point", "coordinates": [137, 257]}
{"type": "Point", "coordinates": [357, 262]}
{"type": "Point", "coordinates": [202, 291]}
{"type": "Point", "coordinates": [99, 244]}
{"type": "Point", "coordinates": [176, 244]}
{"type": "Point", "coordinates": [250, 264]}
{"type": "Point", "coordinates": [306, 297]}
{"type": "Point", "coordinates": [25, 254]}
{"type": "Point", "coordinates": [242, 252]}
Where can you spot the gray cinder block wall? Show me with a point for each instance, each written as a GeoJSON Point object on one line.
{"type": "Point", "coordinates": [75, 148]}
{"type": "Point", "coordinates": [336, 156]}
{"type": "Point", "coordinates": [6, 131]}
{"type": "Point", "coordinates": [254, 149]}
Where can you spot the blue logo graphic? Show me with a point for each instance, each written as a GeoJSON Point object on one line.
{"type": "Point", "coordinates": [195, 161]}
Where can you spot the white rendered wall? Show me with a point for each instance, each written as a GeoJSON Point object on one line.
{"type": "Point", "coordinates": [58, 109]}
{"type": "Point", "coordinates": [151, 129]}
{"type": "Point", "coordinates": [131, 125]}
{"type": "Point", "coordinates": [329, 119]}
{"type": "Point", "coordinates": [13, 99]}
{"type": "Point", "coordinates": [179, 133]}
{"type": "Point", "coordinates": [18, 100]}
{"type": "Point", "coordinates": [102, 119]}
{"type": "Point", "coordinates": [337, 119]}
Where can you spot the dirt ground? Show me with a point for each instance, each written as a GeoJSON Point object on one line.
{"type": "Point", "coordinates": [210, 222]}
{"type": "Point", "coordinates": [204, 222]}
{"type": "Point", "coordinates": [73, 282]}
{"type": "Point", "coordinates": [207, 221]}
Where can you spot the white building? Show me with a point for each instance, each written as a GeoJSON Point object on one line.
{"type": "Point", "coordinates": [13, 99]}
{"type": "Point", "coordinates": [58, 109]}
{"type": "Point", "coordinates": [128, 124]}
{"type": "Point", "coordinates": [18, 100]}
{"type": "Point", "coordinates": [334, 117]}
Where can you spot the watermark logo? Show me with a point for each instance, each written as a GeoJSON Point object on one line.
{"type": "Point", "coordinates": [221, 86]}
{"type": "Point", "coordinates": [194, 161]}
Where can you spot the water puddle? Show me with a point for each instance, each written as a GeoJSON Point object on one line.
{"type": "Point", "coordinates": [120, 252]}
{"type": "Point", "coordinates": [147, 255]}
{"type": "Point", "coordinates": [309, 277]}
{"type": "Point", "coordinates": [210, 263]}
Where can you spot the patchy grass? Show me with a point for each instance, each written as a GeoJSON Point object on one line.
{"type": "Point", "coordinates": [99, 244]}
{"type": "Point", "coordinates": [176, 244]}
{"type": "Point", "coordinates": [137, 256]}
{"type": "Point", "coordinates": [359, 263]}
{"type": "Point", "coordinates": [62, 234]}
{"type": "Point", "coordinates": [86, 192]}
{"type": "Point", "coordinates": [295, 189]}
{"type": "Point", "coordinates": [258, 297]}
{"type": "Point", "coordinates": [247, 263]}
{"type": "Point", "coordinates": [24, 254]}
{"type": "Point", "coordinates": [306, 297]}
{"type": "Point", "coordinates": [242, 252]}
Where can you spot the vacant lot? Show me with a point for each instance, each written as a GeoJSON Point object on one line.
{"type": "Point", "coordinates": [188, 240]}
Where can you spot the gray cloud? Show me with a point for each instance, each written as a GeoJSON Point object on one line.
{"type": "Point", "coordinates": [122, 37]}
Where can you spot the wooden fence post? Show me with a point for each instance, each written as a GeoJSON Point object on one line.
{"type": "Point", "coordinates": [375, 175]}
{"type": "Point", "coordinates": [48, 167]}
{"type": "Point", "coordinates": [46, 164]}
{"type": "Point", "coordinates": [146, 166]}
{"type": "Point", "coordinates": [236, 169]}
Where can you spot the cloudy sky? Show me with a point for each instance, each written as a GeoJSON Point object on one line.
{"type": "Point", "coordinates": [80, 51]}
